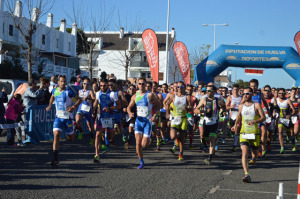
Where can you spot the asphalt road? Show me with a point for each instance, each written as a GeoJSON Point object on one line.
{"type": "Point", "coordinates": [26, 173]}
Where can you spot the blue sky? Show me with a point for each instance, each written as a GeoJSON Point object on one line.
{"type": "Point", "coordinates": [255, 22]}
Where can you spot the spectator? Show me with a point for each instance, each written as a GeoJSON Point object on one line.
{"type": "Point", "coordinates": [53, 83]}
{"type": "Point", "coordinates": [3, 99]}
{"type": "Point", "coordinates": [112, 76]}
{"type": "Point", "coordinates": [32, 94]}
{"type": "Point", "coordinates": [103, 75]}
{"type": "Point", "coordinates": [14, 108]}
{"type": "Point", "coordinates": [46, 97]}
{"type": "Point", "coordinates": [78, 81]}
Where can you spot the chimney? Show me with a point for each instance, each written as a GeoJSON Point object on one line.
{"type": "Point", "coordinates": [18, 9]}
{"type": "Point", "coordinates": [130, 43]}
{"type": "Point", "coordinates": [34, 14]}
{"type": "Point", "coordinates": [173, 33]}
{"type": "Point", "coordinates": [121, 33]}
{"type": "Point", "coordinates": [74, 29]}
{"type": "Point", "coordinates": [50, 20]}
{"type": "Point", "coordinates": [63, 25]}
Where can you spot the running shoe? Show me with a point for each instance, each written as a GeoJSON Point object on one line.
{"type": "Point", "coordinates": [158, 143]}
{"type": "Point", "coordinates": [54, 163]}
{"type": "Point", "coordinates": [207, 161]}
{"type": "Point", "coordinates": [282, 151]}
{"type": "Point", "coordinates": [125, 138]}
{"type": "Point", "coordinates": [117, 130]}
{"type": "Point", "coordinates": [223, 141]}
{"type": "Point", "coordinates": [96, 159]}
{"type": "Point", "coordinates": [20, 144]}
{"type": "Point", "coordinates": [91, 141]}
{"type": "Point", "coordinates": [221, 133]}
{"type": "Point", "coordinates": [233, 149]}
{"type": "Point", "coordinates": [246, 178]}
{"type": "Point", "coordinates": [173, 150]}
{"type": "Point", "coordinates": [180, 157]}
{"type": "Point", "coordinates": [80, 136]}
{"type": "Point", "coordinates": [294, 148]}
{"type": "Point", "coordinates": [259, 153]}
{"type": "Point", "coordinates": [252, 162]}
{"type": "Point", "coordinates": [263, 154]}
{"type": "Point", "coordinates": [103, 147]}
{"type": "Point", "coordinates": [158, 148]}
{"type": "Point", "coordinates": [126, 146]}
{"type": "Point", "coordinates": [141, 166]}
{"type": "Point", "coordinates": [217, 147]}
{"type": "Point", "coordinates": [107, 149]}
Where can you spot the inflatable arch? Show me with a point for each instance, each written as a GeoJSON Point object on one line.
{"type": "Point", "coordinates": [248, 57]}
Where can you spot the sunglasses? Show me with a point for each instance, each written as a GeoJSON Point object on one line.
{"type": "Point", "coordinates": [86, 83]}
{"type": "Point", "coordinates": [102, 85]}
{"type": "Point", "coordinates": [209, 90]}
{"type": "Point", "coordinates": [142, 84]}
{"type": "Point", "coordinates": [280, 93]}
{"type": "Point", "coordinates": [110, 84]}
{"type": "Point", "coordinates": [267, 90]}
{"type": "Point", "coordinates": [247, 93]}
{"type": "Point", "coordinates": [180, 86]}
{"type": "Point", "coordinates": [132, 89]}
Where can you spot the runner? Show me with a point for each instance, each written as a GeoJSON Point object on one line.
{"type": "Point", "coordinates": [284, 122]}
{"type": "Point", "coordinates": [129, 122]}
{"type": "Point", "coordinates": [163, 119]}
{"type": "Point", "coordinates": [63, 118]}
{"type": "Point", "coordinates": [295, 117]}
{"type": "Point", "coordinates": [250, 115]}
{"type": "Point", "coordinates": [232, 105]}
{"type": "Point", "coordinates": [190, 114]}
{"type": "Point", "coordinates": [210, 106]}
{"type": "Point", "coordinates": [108, 101]}
{"type": "Point", "coordinates": [143, 100]}
{"type": "Point", "coordinates": [85, 110]}
{"type": "Point", "coordinates": [180, 103]}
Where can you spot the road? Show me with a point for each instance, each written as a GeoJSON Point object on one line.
{"type": "Point", "coordinates": [26, 173]}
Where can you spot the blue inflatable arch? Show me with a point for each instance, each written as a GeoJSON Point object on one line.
{"type": "Point", "coordinates": [248, 57]}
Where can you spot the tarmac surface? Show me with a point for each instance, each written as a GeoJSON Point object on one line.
{"type": "Point", "coordinates": [25, 172]}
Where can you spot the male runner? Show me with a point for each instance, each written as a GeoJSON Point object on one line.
{"type": "Point", "coordinates": [63, 118]}
{"type": "Point", "coordinates": [295, 117]}
{"type": "Point", "coordinates": [144, 101]}
{"type": "Point", "coordinates": [85, 109]}
{"type": "Point", "coordinates": [108, 101]}
{"type": "Point", "coordinates": [180, 103]}
{"type": "Point", "coordinates": [210, 106]}
{"type": "Point", "coordinates": [190, 113]}
{"type": "Point", "coordinates": [250, 115]}
{"type": "Point", "coordinates": [163, 119]}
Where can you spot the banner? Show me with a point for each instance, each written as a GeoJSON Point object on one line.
{"type": "Point", "coordinates": [182, 58]}
{"type": "Point", "coordinates": [297, 41]}
{"type": "Point", "coordinates": [151, 48]}
{"type": "Point", "coordinates": [254, 72]}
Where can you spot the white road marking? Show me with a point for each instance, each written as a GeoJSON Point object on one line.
{"type": "Point", "coordinates": [214, 189]}
{"type": "Point", "coordinates": [292, 194]}
{"type": "Point", "coordinates": [227, 172]}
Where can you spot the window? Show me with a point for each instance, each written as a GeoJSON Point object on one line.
{"type": "Point", "coordinates": [11, 30]}
{"type": "Point", "coordinates": [57, 40]}
{"type": "Point", "coordinates": [69, 46]}
{"type": "Point", "coordinates": [43, 39]}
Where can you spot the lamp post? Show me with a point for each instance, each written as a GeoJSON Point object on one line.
{"type": "Point", "coordinates": [167, 44]}
{"type": "Point", "coordinates": [215, 31]}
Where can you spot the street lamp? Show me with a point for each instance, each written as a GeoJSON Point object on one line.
{"type": "Point", "coordinates": [215, 31]}
{"type": "Point", "coordinates": [167, 44]}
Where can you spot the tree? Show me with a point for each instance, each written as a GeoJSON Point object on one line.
{"type": "Point", "coordinates": [12, 69]}
{"type": "Point", "coordinates": [27, 27]}
{"type": "Point", "coordinates": [94, 20]}
{"type": "Point", "coordinates": [199, 53]}
{"type": "Point", "coordinates": [241, 83]}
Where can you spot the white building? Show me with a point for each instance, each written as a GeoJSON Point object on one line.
{"type": "Point", "coordinates": [113, 45]}
{"type": "Point", "coordinates": [223, 79]}
{"type": "Point", "coordinates": [56, 47]}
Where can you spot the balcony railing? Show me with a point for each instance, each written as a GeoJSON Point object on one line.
{"type": "Point", "coordinates": [139, 64]}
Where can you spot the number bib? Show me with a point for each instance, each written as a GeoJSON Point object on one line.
{"type": "Point", "coordinates": [285, 122]}
{"type": "Point", "coordinates": [268, 119]}
{"type": "Point", "coordinates": [85, 108]}
{"type": "Point", "coordinates": [63, 114]}
{"type": "Point", "coordinates": [127, 118]}
{"type": "Point", "coordinates": [294, 119]}
{"type": "Point", "coordinates": [210, 121]}
{"type": "Point", "coordinates": [248, 136]}
{"type": "Point", "coordinates": [201, 121]}
{"type": "Point", "coordinates": [176, 121]}
{"type": "Point", "coordinates": [233, 115]}
{"type": "Point", "coordinates": [106, 123]}
{"type": "Point", "coordinates": [190, 121]}
{"type": "Point", "coordinates": [142, 111]}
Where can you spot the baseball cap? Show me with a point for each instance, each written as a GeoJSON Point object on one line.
{"type": "Point", "coordinates": [78, 76]}
{"type": "Point", "coordinates": [203, 89]}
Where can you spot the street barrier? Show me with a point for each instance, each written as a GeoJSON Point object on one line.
{"type": "Point", "coordinates": [41, 124]}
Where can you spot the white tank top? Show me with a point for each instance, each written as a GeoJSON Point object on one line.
{"type": "Point", "coordinates": [282, 104]}
{"type": "Point", "coordinates": [180, 104]}
{"type": "Point", "coordinates": [235, 101]}
{"type": "Point", "coordinates": [248, 112]}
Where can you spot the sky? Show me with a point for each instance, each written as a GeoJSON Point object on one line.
{"type": "Point", "coordinates": [254, 23]}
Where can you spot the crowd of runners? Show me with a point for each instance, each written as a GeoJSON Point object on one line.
{"type": "Point", "coordinates": [157, 114]}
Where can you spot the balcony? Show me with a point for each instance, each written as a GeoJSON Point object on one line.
{"type": "Point", "coordinates": [139, 64]}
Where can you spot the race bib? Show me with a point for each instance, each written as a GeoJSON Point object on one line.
{"type": "Point", "coordinates": [210, 121]}
{"type": "Point", "coordinates": [127, 118]}
{"type": "Point", "coordinates": [201, 121]}
{"type": "Point", "coordinates": [142, 111]}
{"type": "Point", "coordinates": [190, 121]}
{"type": "Point", "coordinates": [285, 122]}
{"type": "Point", "coordinates": [106, 122]}
{"type": "Point", "coordinates": [248, 136]}
{"type": "Point", "coordinates": [63, 114]}
{"type": "Point", "coordinates": [85, 108]}
{"type": "Point", "coordinates": [268, 119]}
{"type": "Point", "coordinates": [176, 120]}
{"type": "Point", "coordinates": [233, 115]}
{"type": "Point", "coordinates": [294, 119]}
